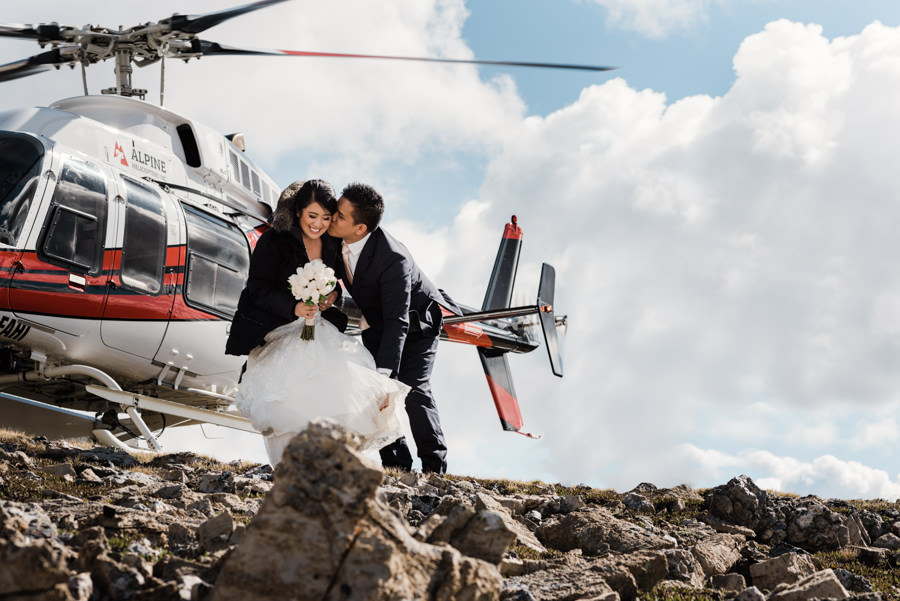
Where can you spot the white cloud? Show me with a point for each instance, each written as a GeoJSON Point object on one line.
{"type": "Point", "coordinates": [713, 253]}
{"type": "Point", "coordinates": [655, 18]}
{"type": "Point", "coordinates": [825, 476]}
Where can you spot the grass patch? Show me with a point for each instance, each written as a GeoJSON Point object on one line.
{"type": "Point", "coordinates": [674, 593]}
{"type": "Point", "coordinates": [523, 552]}
{"type": "Point", "coordinates": [884, 577]}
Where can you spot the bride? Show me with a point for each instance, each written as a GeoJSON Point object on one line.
{"type": "Point", "coordinates": [289, 381]}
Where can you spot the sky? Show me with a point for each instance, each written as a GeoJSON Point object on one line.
{"type": "Point", "coordinates": [720, 212]}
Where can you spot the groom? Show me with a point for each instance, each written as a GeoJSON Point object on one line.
{"type": "Point", "coordinates": [401, 321]}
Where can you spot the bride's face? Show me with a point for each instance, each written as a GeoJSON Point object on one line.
{"type": "Point", "coordinates": [314, 220]}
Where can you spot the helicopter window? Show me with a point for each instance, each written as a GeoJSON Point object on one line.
{"type": "Point", "coordinates": [144, 247]}
{"type": "Point", "coordinates": [218, 261]}
{"type": "Point", "coordinates": [77, 219]}
{"type": "Point", "coordinates": [256, 183]}
{"type": "Point", "coordinates": [245, 175]}
{"type": "Point", "coordinates": [189, 145]}
{"type": "Point", "coordinates": [20, 170]}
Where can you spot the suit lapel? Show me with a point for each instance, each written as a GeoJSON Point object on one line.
{"type": "Point", "coordinates": [365, 257]}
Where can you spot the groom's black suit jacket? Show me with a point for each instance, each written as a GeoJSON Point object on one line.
{"type": "Point", "coordinates": [396, 298]}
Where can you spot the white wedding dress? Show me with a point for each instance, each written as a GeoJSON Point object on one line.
{"type": "Point", "coordinates": [290, 382]}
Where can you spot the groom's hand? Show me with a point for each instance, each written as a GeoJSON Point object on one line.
{"type": "Point", "coordinates": [329, 300]}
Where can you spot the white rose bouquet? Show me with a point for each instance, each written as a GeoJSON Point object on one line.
{"type": "Point", "coordinates": [311, 284]}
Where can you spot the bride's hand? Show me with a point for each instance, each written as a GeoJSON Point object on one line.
{"type": "Point", "coordinates": [304, 310]}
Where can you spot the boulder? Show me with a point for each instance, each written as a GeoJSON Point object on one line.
{"type": "Point", "coordinates": [561, 584]}
{"type": "Point", "coordinates": [750, 594]}
{"type": "Point", "coordinates": [820, 585]}
{"type": "Point", "coordinates": [814, 527]}
{"type": "Point", "coordinates": [214, 533]}
{"type": "Point", "coordinates": [728, 582]}
{"type": "Point", "coordinates": [323, 532]}
{"type": "Point", "coordinates": [784, 569]}
{"type": "Point", "coordinates": [718, 553]}
{"type": "Point", "coordinates": [594, 529]}
{"type": "Point", "coordinates": [523, 535]}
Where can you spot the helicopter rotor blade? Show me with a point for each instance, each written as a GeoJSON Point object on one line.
{"type": "Point", "coordinates": [31, 65]}
{"type": "Point", "coordinates": [49, 32]}
{"type": "Point", "coordinates": [199, 23]}
{"type": "Point", "coordinates": [212, 48]}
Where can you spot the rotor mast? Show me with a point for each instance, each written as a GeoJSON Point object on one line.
{"type": "Point", "coordinates": [123, 71]}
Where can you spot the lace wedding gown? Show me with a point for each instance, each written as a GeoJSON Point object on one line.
{"type": "Point", "coordinates": [290, 381]}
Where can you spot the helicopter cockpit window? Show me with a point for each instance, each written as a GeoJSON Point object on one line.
{"type": "Point", "coordinates": [144, 246]}
{"type": "Point", "coordinates": [20, 170]}
{"type": "Point", "coordinates": [77, 219]}
{"type": "Point", "coordinates": [217, 265]}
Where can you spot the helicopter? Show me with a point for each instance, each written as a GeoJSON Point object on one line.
{"type": "Point", "coordinates": [125, 236]}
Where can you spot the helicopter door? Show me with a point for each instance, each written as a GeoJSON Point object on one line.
{"type": "Point", "coordinates": [21, 160]}
{"type": "Point", "coordinates": [139, 301]}
{"type": "Point", "coordinates": [61, 284]}
{"type": "Point", "coordinates": [217, 263]}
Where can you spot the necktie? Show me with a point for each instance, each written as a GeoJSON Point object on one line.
{"type": "Point", "coordinates": [345, 250]}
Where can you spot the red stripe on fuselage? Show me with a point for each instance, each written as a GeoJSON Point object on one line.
{"type": "Point", "coordinates": [467, 333]}
{"type": "Point", "coordinates": [72, 302]}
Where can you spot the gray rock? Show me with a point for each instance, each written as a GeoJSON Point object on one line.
{"type": "Point", "coordinates": [888, 541]}
{"type": "Point", "coordinates": [739, 502]}
{"type": "Point", "coordinates": [322, 529]}
{"type": "Point", "coordinates": [785, 569]}
{"type": "Point", "coordinates": [750, 594]}
{"type": "Point", "coordinates": [718, 553]}
{"type": "Point", "coordinates": [486, 536]}
{"type": "Point", "coordinates": [594, 529]}
{"type": "Point", "coordinates": [523, 535]}
{"type": "Point", "coordinates": [684, 567]}
{"type": "Point", "coordinates": [720, 525]}
{"type": "Point", "coordinates": [820, 585]}
{"type": "Point", "coordinates": [638, 503]}
{"type": "Point", "coordinates": [66, 471]}
{"type": "Point", "coordinates": [728, 582]}
{"type": "Point", "coordinates": [814, 527]}
{"type": "Point", "coordinates": [562, 584]}
{"type": "Point", "coordinates": [89, 475]}
{"type": "Point", "coordinates": [214, 533]}
{"type": "Point", "coordinates": [854, 583]}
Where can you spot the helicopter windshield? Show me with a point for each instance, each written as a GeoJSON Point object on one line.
{"type": "Point", "coordinates": [20, 170]}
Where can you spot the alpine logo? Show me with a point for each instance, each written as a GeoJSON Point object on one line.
{"type": "Point", "coordinates": [120, 151]}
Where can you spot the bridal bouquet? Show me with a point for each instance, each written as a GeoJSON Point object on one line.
{"type": "Point", "coordinates": [311, 284]}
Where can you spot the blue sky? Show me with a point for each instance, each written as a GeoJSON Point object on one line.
{"type": "Point", "coordinates": [720, 211]}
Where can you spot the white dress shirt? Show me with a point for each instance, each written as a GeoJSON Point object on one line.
{"type": "Point", "coordinates": [355, 251]}
{"type": "Point", "coordinates": [353, 259]}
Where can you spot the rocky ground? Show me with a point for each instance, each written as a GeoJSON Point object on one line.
{"type": "Point", "coordinates": [84, 524]}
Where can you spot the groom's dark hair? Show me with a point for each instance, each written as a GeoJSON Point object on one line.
{"type": "Point", "coordinates": [368, 206]}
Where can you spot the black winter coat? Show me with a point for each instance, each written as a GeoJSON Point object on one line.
{"type": "Point", "coordinates": [266, 301]}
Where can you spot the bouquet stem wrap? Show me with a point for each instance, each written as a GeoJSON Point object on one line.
{"type": "Point", "coordinates": [309, 330]}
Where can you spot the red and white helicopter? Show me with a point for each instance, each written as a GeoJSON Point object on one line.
{"type": "Point", "coordinates": [125, 237]}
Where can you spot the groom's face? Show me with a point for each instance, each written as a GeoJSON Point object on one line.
{"type": "Point", "coordinates": [343, 223]}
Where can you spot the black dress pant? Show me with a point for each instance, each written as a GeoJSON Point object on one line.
{"type": "Point", "coordinates": [416, 365]}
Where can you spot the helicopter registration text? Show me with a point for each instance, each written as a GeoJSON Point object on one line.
{"type": "Point", "coordinates": [12, 328]}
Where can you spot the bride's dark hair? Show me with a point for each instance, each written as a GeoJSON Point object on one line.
{"type": "Point", "coordinates": [297, 197]}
